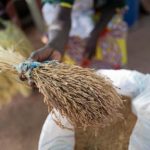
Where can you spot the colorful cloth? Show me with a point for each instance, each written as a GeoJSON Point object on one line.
{"type": "Point", "coordinates": [110, 51]}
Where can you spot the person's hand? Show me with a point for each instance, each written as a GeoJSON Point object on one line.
{"type": "Point", "coordinates": [58, 36]}
{"type": "Point", "coordinates": [90, 47]}
{"type": "Point", "coordinates": [107, 14]}
{"type": "Point", "coordinates": [44, 54]}
{"type": "Point", "coordinates": [89, 51]}
{"type": "Point", "coordinates": [41, 55]}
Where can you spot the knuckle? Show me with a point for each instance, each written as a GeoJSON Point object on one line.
{"type": "Point", "coordinates": [33, 54]}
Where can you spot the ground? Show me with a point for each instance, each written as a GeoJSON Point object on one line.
{"type": "Point", "coordinates": [21, 121]}
{"type": "Point", "coordinates": [139, 46]}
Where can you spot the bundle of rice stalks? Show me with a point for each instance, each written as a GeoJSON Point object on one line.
{"type": "Point", "coordinates": [12, 38]}
{"type": "Point", "coordinates": [85, 98]}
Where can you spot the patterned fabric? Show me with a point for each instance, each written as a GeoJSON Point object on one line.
{"type": "Point", "coordinates": [110, 51]}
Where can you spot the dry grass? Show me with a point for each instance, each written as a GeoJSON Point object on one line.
{"type": "Point", "coordinates": [9, 58]}
{"type": "Point", "coordinates": [9, 87]}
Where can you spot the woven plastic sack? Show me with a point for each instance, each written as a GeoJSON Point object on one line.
{"type": "Point", "coordinates": [136, 85]}
{"type": "Point", "coordinates": [131, 83]}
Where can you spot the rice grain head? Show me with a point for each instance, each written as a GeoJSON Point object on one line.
{"type": "Point", "coordinates": [79, 94]}
{"type": "Point", "coordinates": [85, 98]}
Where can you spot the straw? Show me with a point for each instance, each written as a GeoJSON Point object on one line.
{"type": "Point", "coordinates": [85, 98]}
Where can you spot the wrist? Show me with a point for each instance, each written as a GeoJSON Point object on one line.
{"type": "Point", "coordinates": [58, 40]}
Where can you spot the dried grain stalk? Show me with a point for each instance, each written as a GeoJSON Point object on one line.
{"type": "Point", "coordinates": [85, 98]}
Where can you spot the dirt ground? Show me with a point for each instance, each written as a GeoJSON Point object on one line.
{"type": "Point", "coordinates": [22, 119]}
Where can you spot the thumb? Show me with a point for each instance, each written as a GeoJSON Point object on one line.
{"type": "Point", "coordinates": [34, 56]}
{"type": "Point", "coordinates": [56, 55]}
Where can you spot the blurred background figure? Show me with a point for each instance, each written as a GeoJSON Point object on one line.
{"type": "Point", "coordinates": [89, 33]}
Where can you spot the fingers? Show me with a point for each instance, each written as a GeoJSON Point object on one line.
{"type": "Point", "coordinates": [41, 55]}
{"type": "Point", "coordinates": [22, 77]}
{"type": "Point", "coordinates": [31, 83]}
{"type": "Point", "coordinates": [90, 50]}
{"type": "Point", "coordinates": [34, 56]}
{"type": "Point", "coordinates": [56, 55]}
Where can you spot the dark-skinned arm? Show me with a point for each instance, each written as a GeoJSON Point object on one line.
{"type": "Point", "coordinates": [107, 14]}
{"type": "Point", "coordinates": [58, 36]}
